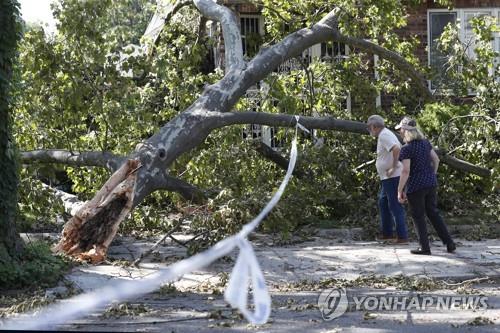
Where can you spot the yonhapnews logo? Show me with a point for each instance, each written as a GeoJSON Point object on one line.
{"type": "Point", "coordinates": [333, 303]}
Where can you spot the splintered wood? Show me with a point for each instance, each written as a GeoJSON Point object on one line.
{"type": "Point", "coordinates": [89, 232]}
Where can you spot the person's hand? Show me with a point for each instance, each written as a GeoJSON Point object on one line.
{"type": "Point", "coordinates": [390, 171]}
{"type": "Point", "coordinates": [402, 197]}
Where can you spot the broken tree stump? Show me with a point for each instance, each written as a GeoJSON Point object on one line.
{"type": "Point", "coordinates": [88, 234]}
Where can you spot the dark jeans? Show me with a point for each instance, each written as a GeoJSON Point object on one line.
{"type": "Point", "coordinates": [391, 211]}
{"type": "Point", "coordinates": [424, 202]}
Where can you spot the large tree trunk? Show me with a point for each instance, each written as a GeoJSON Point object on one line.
{"type": "Point", "coordinates": [10, 242]}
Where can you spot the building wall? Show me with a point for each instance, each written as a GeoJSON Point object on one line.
{"type": "Point", "coordinates": [417, 21]}
{"type": "Point", "coordinates": [417, 26]}
{"type": "Point", "coordinates": [473, 3]}
{"type": "Point", "coordinates": [242, 7]}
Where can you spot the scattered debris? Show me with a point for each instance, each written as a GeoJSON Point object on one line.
{"type": "Point", "coordinates": [125, 309]}
{"type": "Point", "coordinates": [400, 282]}
{"type": "Point", "coordinates": [369, 316]}
{"type": "Point", "coordinates": [480, 321]}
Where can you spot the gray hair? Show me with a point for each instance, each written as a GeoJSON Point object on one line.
{"type": "Point", "coordinates": [376, 121]}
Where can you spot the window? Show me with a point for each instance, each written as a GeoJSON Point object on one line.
{"type": "Point", "coordinates": [469, 37]}
{"type": "Point", "coordinates": [252, 131]}
{"type": "Point", "coordinates": [274, 141]}
{"type": "Point", "coordinates": [333, 51]}
{"type": "Point", "coordinates": [251, 31]}
{"type": "Point", "coordinates": [438, 20]}
{"type": "Point", "coordinates": [437, 61]}
{"type": "Point", "coordinates": [266, 134]}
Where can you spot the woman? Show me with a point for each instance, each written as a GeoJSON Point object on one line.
{"type": "Point", "coordinates": [420, 164]}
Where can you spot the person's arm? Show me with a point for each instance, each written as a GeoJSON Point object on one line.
{"type": "Point", "coordinates": [403, 179]}
{"type": "Point", "coordinates": [395, 159]}
{"type": "Point", "coordinates": [434, 161]}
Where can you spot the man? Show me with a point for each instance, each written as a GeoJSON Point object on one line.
{"type": "Point", "coordinates": [389, 169]}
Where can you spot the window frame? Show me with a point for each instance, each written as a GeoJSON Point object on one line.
{"type": "Point", "coordinates": [260, 26]}
{"type": "Point", "coordinates": [460, 16]}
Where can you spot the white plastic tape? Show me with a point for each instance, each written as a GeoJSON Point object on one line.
{"type": "Point", "coordinates": [246, 270]}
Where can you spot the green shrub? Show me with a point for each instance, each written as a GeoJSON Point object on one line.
{"type": "Point", "coordinates": [38, 267]}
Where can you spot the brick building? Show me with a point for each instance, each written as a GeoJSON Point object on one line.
{"type": "Point", "coordinates": [426, 21]}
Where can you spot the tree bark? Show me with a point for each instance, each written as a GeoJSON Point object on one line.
{"type": "Point", "coordinates": [10, 243]}
{"type": "Point", "coordinates": [89, 158]}
{"type": "Point", "coordinates": [70, 202]}
{"type": "Point", "coordinates": [463, 166]}
{"type": "Point", "coordinates": [275, 157]}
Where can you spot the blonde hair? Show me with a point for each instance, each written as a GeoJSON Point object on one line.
{"type": "Point", "coordinates": [412, 134]}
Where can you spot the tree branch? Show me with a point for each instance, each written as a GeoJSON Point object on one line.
{"type": "Point", "coordinates": [330, 123]}
{"type": "Point", "coordinates": [285, 120]}
{"type": "Point", "coordinates": [163, 181]}
{"type": "Point", "coordinates": [88, 158]}
{"type": "Point", "coordinates": [70, 202]}
{"type": "Point", "coordinates": [327, 29]}
{"type": "Point", "coordinates": [273, 156]}
{"type": "Point", "coordinates": [213, 108]}
{"type": "Point", "coordinates": [461, 165]}
{"type": "Point", "coordinates": [291, 46]}
{"type": "Point", "coordinates": [230, 29]}
{"type": "Point", "coordinates": [400, 62]}
{"type": "Point", "coordinates": [188, 191]}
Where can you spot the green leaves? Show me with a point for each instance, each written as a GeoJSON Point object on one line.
{"type": "Point", "coordinates": [37, 264]}
{"type": "Point", "coordinates": [88, 89]}
{"type": "Point", "coordinates": [72, 91]}
{"type": "Point", "coordinates": [9, 37]}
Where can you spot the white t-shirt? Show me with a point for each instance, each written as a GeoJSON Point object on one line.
{"type": "Point", "coordinates": [386, 140]}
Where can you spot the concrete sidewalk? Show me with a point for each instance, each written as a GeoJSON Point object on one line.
{"type": "Point", "coordinates": [330, 257]}
{"type": "Point", "coordinates": [194, 303]}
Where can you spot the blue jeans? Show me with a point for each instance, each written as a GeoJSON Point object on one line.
{"type": "Point", "coordinates": [391, 210]}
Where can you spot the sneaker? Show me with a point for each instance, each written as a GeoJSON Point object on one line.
{"type": "Point", "coordinates": [420, 251]}
{"type": "Point", "coordinates": [451, 247]}
{"type": "Point", "coordinates": [401, 241]}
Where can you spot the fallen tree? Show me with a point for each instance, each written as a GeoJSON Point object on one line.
{"type": "Point", "coordinates": [146, 169]}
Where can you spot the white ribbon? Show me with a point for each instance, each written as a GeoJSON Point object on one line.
{"type": "Point", "coordinates": [247, 267]}
{"type": "Point", "coordinates": [246, 270]}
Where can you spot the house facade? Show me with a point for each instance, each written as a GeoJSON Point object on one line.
{"type": "Point", "coordinates": [426, 22]}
